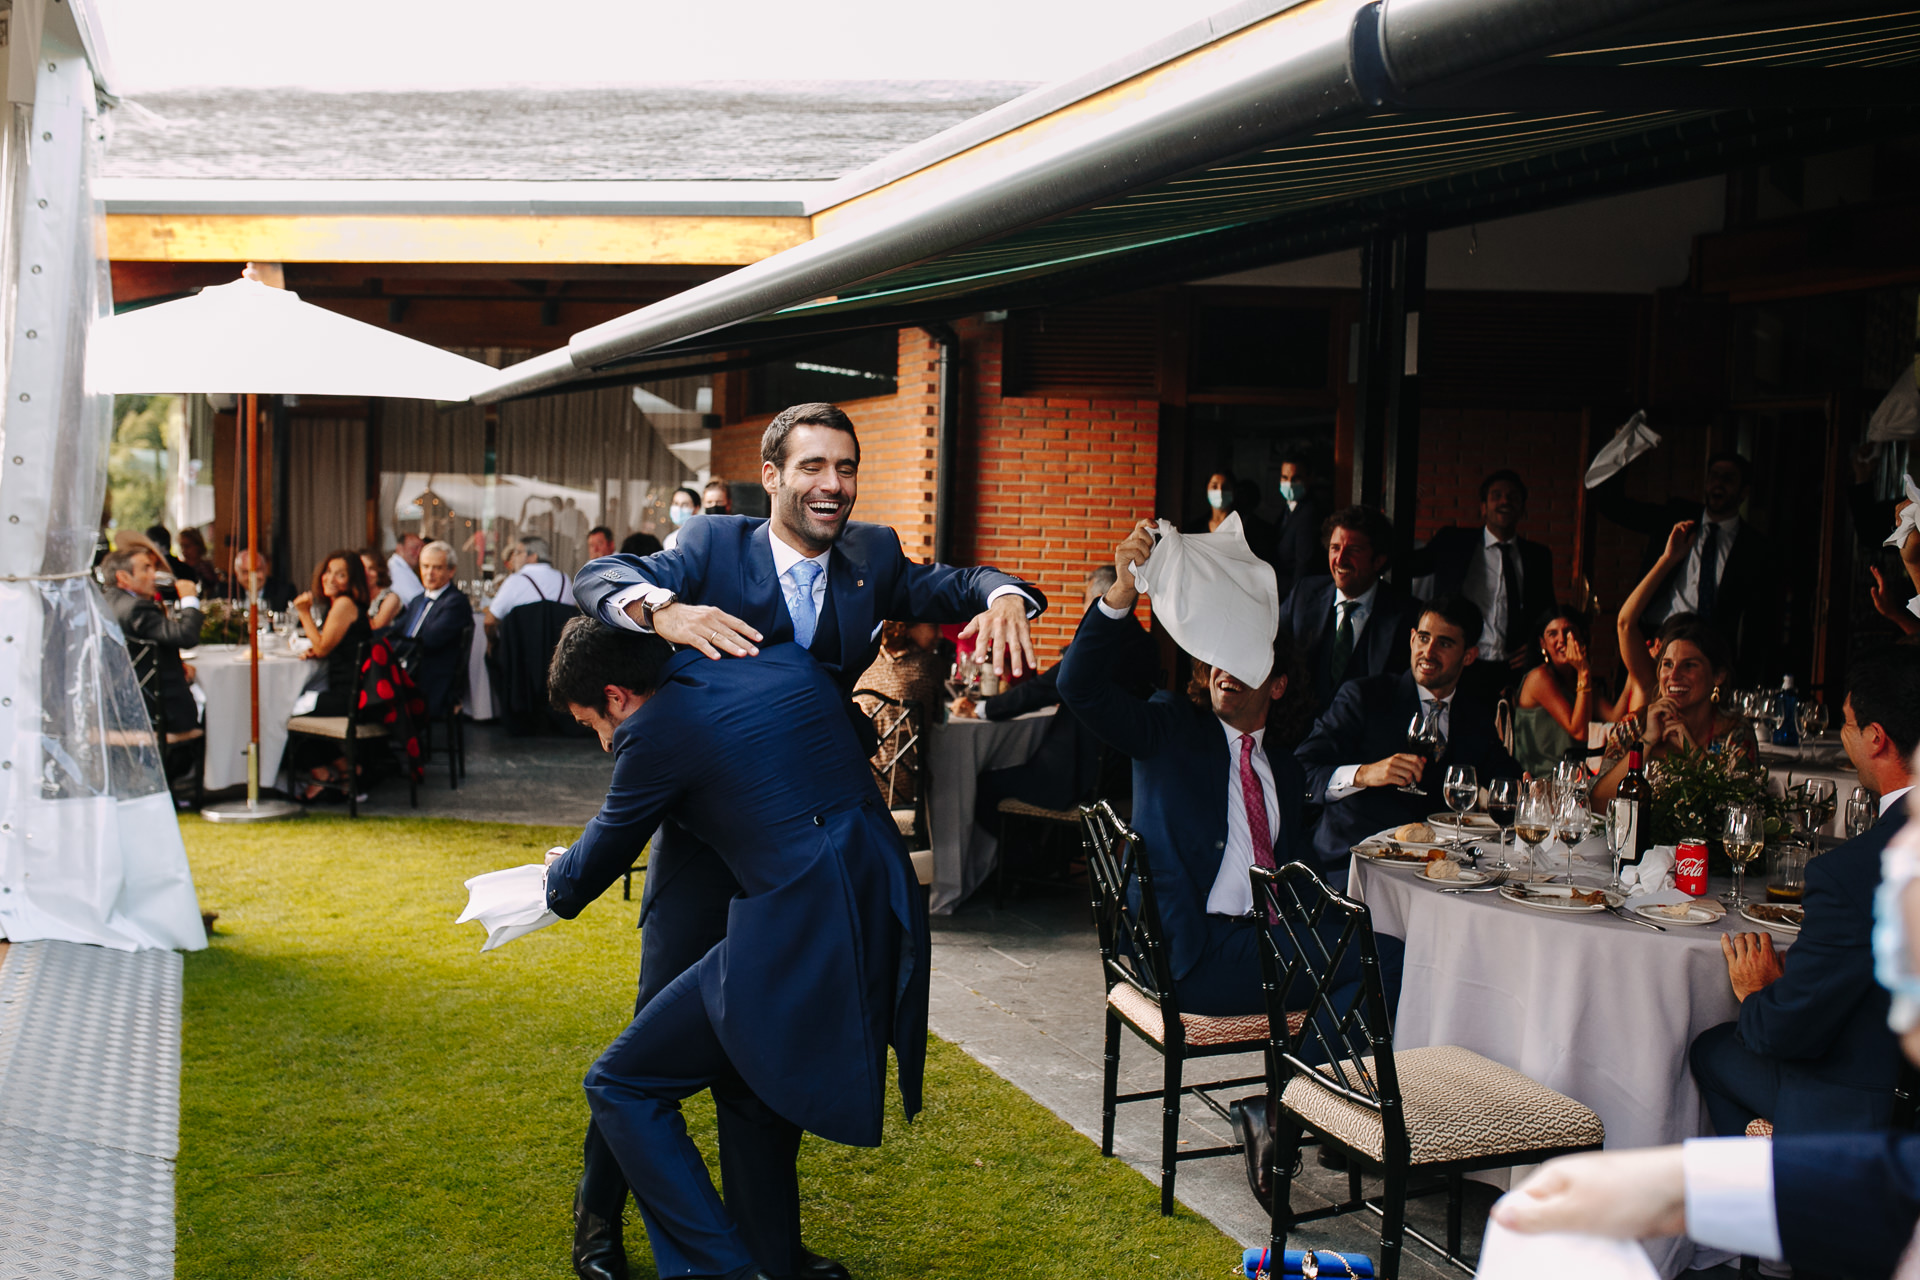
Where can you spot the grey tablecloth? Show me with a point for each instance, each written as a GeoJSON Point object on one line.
{"type": "Point", "coordinates": [958, 752]}
{"type": "Point", "coordinates": [1789, 765]}
{"type": "Point", "coordinates": [479, 685]}
{"type": "Point", "coordinates": [221, 673]}
{"type": "Point", "coordinates": [1592, 1006]}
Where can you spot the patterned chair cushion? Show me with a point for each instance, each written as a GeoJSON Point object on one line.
{"type": "Point", "coordinates": [1021, 809]}
{"type": "Point", "coordinates": [1202, 1031]}
{"type": "Point", "coordinates": [1459, 1106]}
{"type": "Point", "coordinates": [1760, 1128]}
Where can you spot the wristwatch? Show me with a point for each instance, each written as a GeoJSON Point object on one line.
{"type": "Point", "coordinates": [650, 607]}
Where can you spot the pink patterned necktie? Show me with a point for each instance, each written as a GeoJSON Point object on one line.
{"type": "Point", "coordinates": [1256, 802]}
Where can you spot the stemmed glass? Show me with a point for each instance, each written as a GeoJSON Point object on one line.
{"type": "Point", "coordinates": [1812, 720]}
{"type": "Point", "coordinates": [1572, 819]}
{"type": "Point", "coordinates": [1533, 817]}
{"type": "Point", "coordinates": [1862, 813]}
{"type": "Point", "coordinates": [1462, 790]}
{"type": "Point", "coordinates": [1744, 836]}
{"type": "Point", "coordinates": [1822, 797]}
{"type": "Point", "coordinates": [1424, 739]}
{"type": "Point", "coordinates": [1503, 797]}
{"type": "Point", "coordinates": [1619, 835]}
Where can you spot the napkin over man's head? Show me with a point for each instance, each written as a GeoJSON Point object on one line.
{"type": "Point", "coordinates": [1218, 600]}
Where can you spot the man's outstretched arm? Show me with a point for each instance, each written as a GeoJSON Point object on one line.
{"type": "Point", "coordinates": [630, 591]}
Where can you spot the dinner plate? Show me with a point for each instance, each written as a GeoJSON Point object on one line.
{"type": "Point", "coordinates": [1705, 911]}
{"type": "Point", "coordinates": [1746, 912]}
{"type": "Point", "coordinates": [1477, 822]}
{"type": "Point", "coordinates": [1467, 876]}
{"type": "Point", "coordinates": [1373, 851]}
{"type": "Point", "coordinates": [1553, 897]}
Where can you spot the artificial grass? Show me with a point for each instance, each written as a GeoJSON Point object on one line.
{"type": "Point", "coordinates": [364, 1094]}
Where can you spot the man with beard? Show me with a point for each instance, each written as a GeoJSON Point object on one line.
{"type": "Point", "coordinates": [732, 583]}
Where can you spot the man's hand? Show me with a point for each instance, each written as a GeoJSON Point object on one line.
{"type": "Point", "coordinates": [714, 632]}
{"type": "Point", "coordinates": [1402, 770]}
{"type": "Point", "coordinates": [1883, 604]}
{"type": "Point", "coordinates": [187, 589]}
{"type": "Point", "coordinates": [1626, 1195]}
{"type": "Point", "coordinates": [554, 855]}
{"type": "Point", "coordinates": [1003, 630]}
{"type": "Point", "coordinates": [1133, 549]}
{"type": "Point", "coordinates": [1752, 963]}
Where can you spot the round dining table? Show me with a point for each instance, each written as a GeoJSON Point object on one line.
{"type": "Point", "coordinates": [220, 670]}
{"type": "Point", "coordinates": [958, 752]}
{"type": "Point", "coordinates": [1593, 1006]}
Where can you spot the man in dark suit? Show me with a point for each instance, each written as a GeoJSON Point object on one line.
{"type": "Point", "coordinates": [1811, 1050]}
{"type": "Point", "coordinates": [1350, 624]}
{"type": "Point", "coordinates": [128, 574]}
{"type": "Point", "coordinates": [824, 960]}
{"type": "Point", "coordinates": [1297, 553]}
{"type": "Point", "coordinates": [1727, 578]}
{"type": "Point", "coordinates": [426, 635]}
{"type": "Point", "coordinates": [1356, 758]}
{"type": "Point", "coordinates": [1509, 577]}
{"type": "Point", "coordinates": [731, 583]}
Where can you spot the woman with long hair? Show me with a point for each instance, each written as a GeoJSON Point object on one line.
{"type": "Point", "coordinates": [340, 589]}
{"type": "Point", "coordinates": [1557, 700]}
{"type": "Point", "coordinates": [387, 603]}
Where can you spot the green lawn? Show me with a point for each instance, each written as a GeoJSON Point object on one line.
{"type": "Point", "coordinates": [364, 1094]}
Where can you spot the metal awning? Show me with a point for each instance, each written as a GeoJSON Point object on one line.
{"type": "Point", "coordinates": [1305, 127]}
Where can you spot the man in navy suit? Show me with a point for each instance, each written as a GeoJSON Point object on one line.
{"type": "Point", "coordinates": [824, 961]}
{"type": "Point", "coordinates": [426, 635]}
{"type": "Point", "coordinates": [1356, 758]}
{"type": "Point", "coordinates": [1297, 555]}
{"type": "Point", "coordinates": [1811, 1050]}
{"type": "Point", "coordinates": [1508, 576]}
{"type": "Point", "coordinates": [1350, 624]}
{"type": "Point", "coordinates": [731, 583]}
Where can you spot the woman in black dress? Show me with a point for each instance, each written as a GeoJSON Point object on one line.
{"type": "Point", "coordinates": [340, 589]}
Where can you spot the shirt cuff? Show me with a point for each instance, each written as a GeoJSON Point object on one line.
{"type": "Point", "coordinates": [615, 609]}
{"type": "Point", "coordinates": [1913, 606]}
{"type": "Point", "coordinates": [1110, 611]}
{"type": "Point", "coordinates": [1033, 610]}
{"type": "Point", "coordinates": [1341, 784]}
{"type": "Point", "coordinates": [1730, 1195]}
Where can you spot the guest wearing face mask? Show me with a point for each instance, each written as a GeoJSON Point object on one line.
{"type": "Point", "coordinates": [682, 507]}
{"type": "Point", "coordinates": [1296, 544]}
{"type": "Point", "coordinates": [1226, 495]}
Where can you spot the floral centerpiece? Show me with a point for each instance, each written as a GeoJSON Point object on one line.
{"type": "Point", "coordinates": [1693, 789]}
{"type": "Point", "coordinates": [223, 622]}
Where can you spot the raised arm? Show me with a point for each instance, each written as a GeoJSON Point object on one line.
{"type": "Point", "coordinates": [1541, 690]}
{"type": "Point", "coordinates": [1633, 642]}
{"type": "Point", "coordinates": [1136, 727]}
{"type": "Point", "coordinates": [998, 608]}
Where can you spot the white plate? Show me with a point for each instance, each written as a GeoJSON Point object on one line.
{"type": "Point", "coordinates": [1703, 912]}
{"type": "Point", "coordinates": [1479, 822]}
{"type": "Point", "coordinates": [1467, 876]}
{"type": "Point", "coordinates": [1370, 852]}
{"type": "Point", "coordinates": [1771, 924]}
{"type": "Point", "coordinates": [1553, 897]}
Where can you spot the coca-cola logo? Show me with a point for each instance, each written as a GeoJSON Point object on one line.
{"type": "Point", "coordinates": [1690, 866]}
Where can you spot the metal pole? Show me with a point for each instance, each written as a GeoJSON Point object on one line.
{"type": "Point", "coordinates": [946, 440]}
{"type": "Point", "coordinates": [253, 599]}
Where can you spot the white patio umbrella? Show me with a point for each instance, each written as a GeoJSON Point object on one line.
{"type": "Point", "coordinates": [250, 339]}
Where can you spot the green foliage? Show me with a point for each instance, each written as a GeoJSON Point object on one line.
{"type": "Point", "coordinates": [222, 622]}
{"type": "Point", "coordinates": [364, 1094]}
{"type": "Point", "coordinates": [1693, 789]}
{"type": "Point", "coordinates": [137, 459]}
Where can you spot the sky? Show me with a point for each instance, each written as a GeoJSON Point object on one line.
{"type": "Point", "coordinates": [434, 44]}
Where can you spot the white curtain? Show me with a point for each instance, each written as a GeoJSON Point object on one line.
{"type": "Point", "coordinates": [90, 850]}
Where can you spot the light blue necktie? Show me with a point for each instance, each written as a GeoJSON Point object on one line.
{"type": "Point", "coordinates": [797, 585]}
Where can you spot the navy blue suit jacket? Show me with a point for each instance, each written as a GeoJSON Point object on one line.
{"type": "Point", "coordinates": [825, 959]}
{"type": "Point", "coordinates": [1297, 553]}
{"type": "Point", "coordinates": [433, 657]}
{"type": "Point", "coordinates": [1846, 1203]}
{"type": "Point", "coordinates": [1381, 648]}
{"type": "Point", "coordinates": [1824, 1020]}
{"type": "Point", "coordinates": [1368, 722]}
{"type": "Point", "coordinates": [1180, 762]}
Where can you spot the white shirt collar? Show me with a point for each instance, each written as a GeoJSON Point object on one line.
{"type": "Point", "coordinates": [785, 557]}
{"type": "Point", "coordinates": [1426, 695]}
{"type": "Point", "coordinates": [1259, 737]}
{"type": "Point", "coordinates": [1364, 599]}
{"type": "Point", "coordinates": [436, 594]}
{"type": "Point", "coordinates": [1892, 798]}
{"type": "Point", "coordinates": [1729, 526]}
{"type": "Point", "coordinates": [1490, 541]}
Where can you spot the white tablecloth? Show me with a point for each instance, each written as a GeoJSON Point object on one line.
{"type": "Point", "coordinates": [479, 686]}
{"type": "Point", "coordinates": [1592, 1006]}
{"type": "Point", "coordinates": [958, 752]}
{"type": "Point", "coordinates": [221, 673]}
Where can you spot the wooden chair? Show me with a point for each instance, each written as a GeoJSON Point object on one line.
{"type": "Point", "coordinates": [350, 730]}
{"type": "Point", "coordinates": [899, 763]}
{"type": "Point", "coordinates": [1140, 996]}
{"type": "Point", "coordinates": [167, 739]}
{"type": "Point", "coordinates": [1438, 1110]}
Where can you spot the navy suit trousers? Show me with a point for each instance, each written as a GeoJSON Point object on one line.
{"type": "Point", "coordinates": [1739, 1086]}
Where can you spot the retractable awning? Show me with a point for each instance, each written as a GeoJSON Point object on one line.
{"type": "Point", "coordinates": [1286, 130]}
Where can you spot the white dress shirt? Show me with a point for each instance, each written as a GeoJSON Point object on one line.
{"type": "Point", "coordinates": [1486, 586]}
{"type": "Point", "coordinates": [530, 582]}
{"type": "Point", "coordinates": [1683, 591]}
{"type": "Point", "coordinates": [425, 609]}
{"type": "Point", "coordinates": [406, 583]}
{"type": "Point", "coordinates": [1360, 609]}
{"type": "Point", "coordinates": [1341, 784]}
{"type": "Point", "coordinates": [1892, 798]}
{"type": "Point", "coordinates": [1729, 1189]}
{"type": "Point", "coordinates": [1232, 893]}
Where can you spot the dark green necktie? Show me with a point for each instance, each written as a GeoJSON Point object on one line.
{"type": "Point", "coordinates": [1342, 642]}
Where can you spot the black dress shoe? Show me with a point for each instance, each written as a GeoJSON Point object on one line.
{"type": "Point", "coordinates": [1250, 1127]}
{"type": "Point", "coordinates": [598, 1251]}
{"type": "Point", "coordinates": [815, 1267]}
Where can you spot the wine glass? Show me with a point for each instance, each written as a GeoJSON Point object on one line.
{"type": "Point", "coordinates": [1424, 739]}
{"type": "Point", "coordinates": [1462, 790]}
{"type": "Point", "coordinates": [1572, 820]}
{"type": "Point", "coordinates": [1811, 720]}
{"type": "Point", "coordinates": [1533, 816]}
{"type": "Point", "coordinates": [1503, 796]}
{"type": "Point", "coordinates": [1776, 713]}
{"type": "Point", "coordinates": [1821, 798]}
{"type": "Point", "coordinates": [1619, 835]}
{"type": "Point", "coordinates": [1862, 812]}
{"type": "Point", "coordinates": [1744, 836]}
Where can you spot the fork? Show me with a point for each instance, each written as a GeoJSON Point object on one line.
{"type": "Point", "coordinates": [1499, 878]}
{"type": "Point", "coordinates": [1631, 918]}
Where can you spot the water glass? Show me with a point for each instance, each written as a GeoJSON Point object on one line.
{"type": "Point", "coordinates": [1461, 790]}
{"type": "Point", "coordinates": [1743, 835]}
{"type": "Point", "coordinates": [1820, 799]}
{"type": "Point", "coordinates": [1862, 812]}
{"type": "Point", "coordinates": [1787, 877]}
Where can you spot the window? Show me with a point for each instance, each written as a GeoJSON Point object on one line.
{"type": "Point", "coordinates": [866, 364]}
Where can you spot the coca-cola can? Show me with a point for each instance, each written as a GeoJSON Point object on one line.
{"type": "Point", "coordinates": [1690, 867]}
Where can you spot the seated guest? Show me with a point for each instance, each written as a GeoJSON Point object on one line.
{"type": "Point", "coordinates": [128, 574]}
{"type": "Point", "coordinates": [404, 564]}
{"type": "Point", "coordinates": [1507, 576]}
{"type": "Point", "coordinates": [683, 506]}
{"type": "Point", "coordinates": [599, 542]}
{"type": "Point", "coordinates": [1065, 766]}
{"type": "Point", "coordinates": [529, 578]}
{"type": "Point", "coordinates": [911, 668]}
{"type": "Point", "coordinates": [1557, 699]}
{"type": "Point", "coordinates": [386, 603]}
{"type": "Point", "coordinates": [1296, 551]}
{"type": "Point", "coordinates": [1811, 1050]}
{"type": "Point", "coordinates": [640, 544]}
{"type": "Point", "coordinates": [1350, 624]}
{"type": "Point", "coordinates": [426, 637]}
{"type": "Point", "coordinates": [1356, 758]}
{"type": "Point", "coordinates": [253, 571]}
{"type": "Point", "coordinates": [194, 564]}
{"type": "Point", "coordinates": [339, 590]}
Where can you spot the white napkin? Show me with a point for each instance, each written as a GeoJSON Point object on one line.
{"type": "Point", "coordinates": [1654, 874]}
{"type": "Point", "coordinates": [1508, 1255]}
{"type": "Point", "coordinates": [1634, 438]}
{"type": "Point", "coordinates": [1909, 516]}
{"type": "Point", "coordinates": [1898, 415]}
{"type": "Point", "coordinates": [1218, 600]}
{"type": "Point", "coordinates": [510, 904]}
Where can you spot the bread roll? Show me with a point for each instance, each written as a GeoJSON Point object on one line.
{"type": "Point", "coordinates": [1443, 869]}
{"type": "Point", "coordinates": [1414, 833]}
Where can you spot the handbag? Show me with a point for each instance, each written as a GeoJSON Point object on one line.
{"type": "Point", "coordinates": [1309, 1264]}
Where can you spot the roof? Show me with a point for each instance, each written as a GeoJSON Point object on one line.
{"type": "Point", "coordinates": [662, 133]}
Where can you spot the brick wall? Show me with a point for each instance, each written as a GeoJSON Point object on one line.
{"type": "Point", "coordinates": [1459, 447]}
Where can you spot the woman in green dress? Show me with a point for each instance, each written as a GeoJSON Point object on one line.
{"type": "Point", "coordinates": [1556, 700]}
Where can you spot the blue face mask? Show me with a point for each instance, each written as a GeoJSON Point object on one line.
{"type": "Point", "coordinates": [1290, 491]}
{"type": "Point", "coordinates": [679, 515]}
{"type": "Point", "coordinates": [1219, 499]}
{"type": "Point", "coordinates": [1893, 958]}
